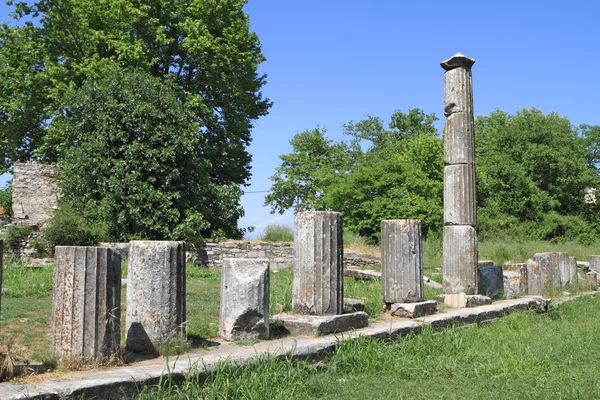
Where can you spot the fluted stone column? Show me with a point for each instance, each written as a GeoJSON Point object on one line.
{"type": "Point", "coordinates": [460, 214]}
{"type": "Point", "coordinates": [244, 299]}
{"type": "Point", "coordinates": [86, 304]}
{"type": "Point", "coordinates": [155, 293]}
{"type": "Point", "coordinates": [401, 261]}
{"type": "Point", "coordinates": [318, 285]}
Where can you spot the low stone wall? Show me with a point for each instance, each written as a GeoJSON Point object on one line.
{"type": "Point", "coordinates": [279, 254]}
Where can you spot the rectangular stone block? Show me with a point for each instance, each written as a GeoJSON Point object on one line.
{"type": "Point", "coordinates": [458, 91]}
{"type": "Point", "coordinates": [521, 268]}
{"type": "Point", "coordinates": [244, 299]}
{"type": "Point", "coordinates": [401, 261]}
{"type": "Point", "coordinates": [459, 142]}
{"type": "Point", "coordinates": [318, 284]}
{"type": "Point", "coordinates": [320, 325]}
{"type": "Point", "coordinates": [550, 268]}
{"type": "Point", "coordinates": [512, 284]}
{"type": "Point", "coordinates": [86, 302]}
{"type": "Point", "coordinates": [535, 285]}
{"type": "Point", "coordinates": [573, 275]}
{"type": "Point", "coordinates": [592, 278]}
{"type": "Point", "coordinates": [413, 310]}
{"type": "Point", "coordinates": [594, 263]}
{"type": "Point", "coordinates": [459, 195]}
{"type": "Point", "coordinates": [155, 293]}
{"type": "Point", "coordinates": [460, 259]}
{"type": "Point", "coordinates": [455, 300]}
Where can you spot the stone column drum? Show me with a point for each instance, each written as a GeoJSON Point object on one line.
{"type": "Point", "coordinates": [155, 293]}
{"type": "Point", "coordinates": [549, 267]}
{"type": "Point", "coordinates": [86, 304]}
{"type": "Point", "coordinates": [460, 213]}
{"type": "Point", "coordinates": [244, 299]}
{"type": "Point", "coordinates": [318, 284]}
{"type": "Point", "coordinates": [401, 261]}
{"type": "Point", "coordinates": [594, 263]}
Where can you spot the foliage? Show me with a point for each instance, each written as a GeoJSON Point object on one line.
{"type": "Point", "coordinates": [68, 228]}
{"type": "Point", "coordinates": [397, 175]}
{"type": "Point", "coordinates": [277, 233]}
{"type": "Point", "coordinates": [129, 163]}
{"type": "Point", "coordinates": [532, 173]}
{"type": "Point", "coordinates": [14, 235]}
{"type": "Point", "coordinates": [6, 199]}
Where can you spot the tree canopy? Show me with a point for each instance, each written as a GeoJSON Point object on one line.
{"type": "Point", "coordinates": [203, 49]}
{"type": "Point", "coordinates": [532, 173]}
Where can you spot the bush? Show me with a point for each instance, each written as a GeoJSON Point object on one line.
{"type": "Point", "coordinates": [277, 233]}
{"type": "Point", "coordinates": [69, 228]}
{"type": "Point", "coordinates": [14, 235]}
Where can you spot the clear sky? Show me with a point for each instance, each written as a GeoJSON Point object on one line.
{"type": "Point", "coordinates": [333, 61]}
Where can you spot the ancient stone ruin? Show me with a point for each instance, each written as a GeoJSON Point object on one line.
{"type": "Point", "coordinates": [244, 299]}
{"type": "Point", "coordinates": [460, 215]}
{"type": "Point", "coordinates": [34, 194]}
{"type": "Point", "coordinates": [155, 293]}
{"type": "Point", "coordinates": [86, 304]}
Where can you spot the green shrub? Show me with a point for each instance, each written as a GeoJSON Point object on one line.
{"type": "Point", "coordinates": [15, 234]}
{"type": "Point", "coordinates": [277, 233]}
{"type": "Point", "coordinates": [6, 199]}
{"type": "Point", "coordinates": [69, 228]}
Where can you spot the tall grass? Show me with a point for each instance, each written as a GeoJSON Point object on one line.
{"type": "Point", "coordinates": [523, 356]}
{"type": "Point", "coordinates": [25, 281]}
{"type": "Point", "coordinates": [277, 233]}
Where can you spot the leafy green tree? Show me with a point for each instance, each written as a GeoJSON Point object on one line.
{"type": "Point", "coordinates": [6, 199]}
{"type": "Point", "coordinates": [205, 47]}
{"type": "Point", "coordinates": [129, 162]}
{"type": "Point", "coordinates": [378, 174]}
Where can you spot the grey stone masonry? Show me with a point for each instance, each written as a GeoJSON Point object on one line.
{"type": "Point", "coordinates": [318, 284]}
{"type": "Point", "coordinates": [534, 278]}
{"type": "Point", "coordinates": [401, 261]}
{"type": "Point", "coordinates": [460, 259]}
{"type": "Point", "coordinates": [460, 212]}
{"type": "Point", "coordinates": [279, 254]}
{"type": "Point", "coordinates": [34, 196]}
{"type": "Point", "coordinates": [155, 293]}
{"type": "Point", "coordinates": [521, 270]}
{"type": "Point", "coordinates": [459, 195]}
{"type": "Point", "coordinates": [244, 299]}
{"type": "Point", "coordinates": [573, 275]}
{"type": "Point", "coordinates": [595, 263]}
{"type": "Point", "coordinates": [555, 268]}
{"type": "Point", "coordinates": [86, 304]}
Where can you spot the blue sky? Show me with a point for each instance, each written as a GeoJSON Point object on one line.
{"type": "Point", "coordinates": [332, 61]}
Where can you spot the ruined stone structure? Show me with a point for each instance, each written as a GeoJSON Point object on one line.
{"type": "Point", "coordinates": [401, 261]}
{"type": "Point", "coordinates": [155, 293]}
{"type": "Point", "coordinates": [86, 304]}
{"type": "Point", "coordinates": [460, 215]}
{"type": "Point", "coordinates": [34, 196]}
{"type": "Point", "coordinates": [318, 285]}
{"type": "Point", "coordinates": [244, 299]}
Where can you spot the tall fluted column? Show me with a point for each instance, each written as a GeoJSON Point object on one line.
{"type": "Point", "coordinates": [460, 214]}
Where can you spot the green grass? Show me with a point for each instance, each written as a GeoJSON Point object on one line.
{"type": "Point", "coordinates": [277, 233]}
{"type": "Point", "coordinates": [524, 356]}
{"type": "Point", "coordinates": [22, 281]}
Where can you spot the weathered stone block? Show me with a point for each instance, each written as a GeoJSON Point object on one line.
{"type": "Point", "coordinates": [512, 284]}
{"type": "Point", "coordinates": [155, 293]}
{"type": "Point", "coordinates": [244, 299]}
{"type": "Point", "coordinates": [594, 263]}
{"type": "Point", "coordinates": [535, 285]}
{"type": "Point", "coordinates": [352, 305]}
{"type": "Point", "coordinates": [320, 325]}
{"type": "Point", "coordinates": [459, 195]}
{"type": "Point", "coordinates": [549, 265]}
{"type": "Point", "coordinates": [401, 261]}
{"type": "Point", "coordinates": [459, 142]}
{"type": "Point", "coordinates": [573, 275]}
{"type": "Point", "coordinates": [521, 269]}
{"type": "Point", "coordinates": [458, 91]}
{"type": "Point", "coordinates": [475, 300]}
{"type": "Point", "coordinates": [318, 284]}
{"type": "Point", "coordinates": [86, 304]}
{"type": "Point", "coordinates": [460, 259]}
{"type": "Point", "coordinates": [455, 300]}
{"type": "Point", "coordinates": [413, 310]}
{"type": "Point", "coordinates": [592, 278]}
{"type": "Point", "coordinates": [490, 282]}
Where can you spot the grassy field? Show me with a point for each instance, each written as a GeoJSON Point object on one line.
{"type": "Point", "coordinates": [523, 356]}
{"type": "Point", "coordinates": [27, 302]}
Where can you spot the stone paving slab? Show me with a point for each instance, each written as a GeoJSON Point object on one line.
{"type": "Point", "coordinates": [116, 383]}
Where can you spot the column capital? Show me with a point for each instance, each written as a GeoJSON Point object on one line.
{"type": "Point", "coordinates": [457, 61]}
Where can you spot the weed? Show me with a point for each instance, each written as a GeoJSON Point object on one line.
{"type": "Point", "coordinates": [277, 233]}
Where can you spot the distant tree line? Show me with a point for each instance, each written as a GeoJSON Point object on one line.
{"type": "Point", "coordinates": [532, 169]}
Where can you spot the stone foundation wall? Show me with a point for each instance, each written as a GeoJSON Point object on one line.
{"type": "Point", "coordinates": [34, 196]}
{"type": "Point", "coordinates": [279, 254]}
